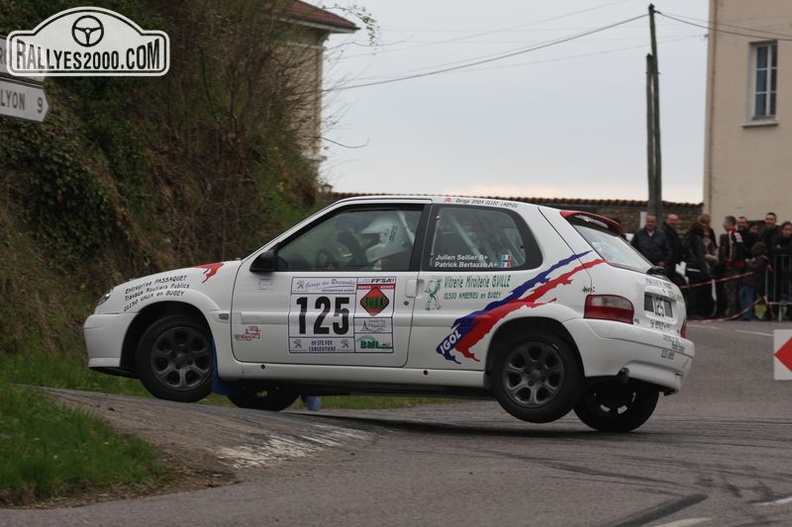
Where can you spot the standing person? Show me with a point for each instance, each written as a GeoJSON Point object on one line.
{"type": "Point", "coordinates": [783, 267]}
{"type": "Point", "coordinates": [770, 233]}
{"type": "Point", "coordinates": [754, 282]}
{"type": "Point", "coordinates": [717, 304]}
{"type": "Point", "coordinates": [675, 244]}
{"type": "Point", "coordinates": [697, 272]}
{"type": "Point", "coordinates": [733, 258]}
{"type": "Point", "coordinates": [312, 402]}
{"type": "Point", "coordinates": [711, 257]}
{"type": "Point", "coordinates": [705, 221]}
{"type": "Point", "coordinates": [744, 228]}
{"type": "Point", "coordinates": [652, 243]}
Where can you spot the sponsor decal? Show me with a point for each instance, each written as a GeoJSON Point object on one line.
{"type": "Point", "coordinates": [374, 302]}
{"type": "Point", "coordinates": [476, 287]}
{"type": "Point", "coordinates": [251, 333]}
{"type": "Point", "coordinates": [371, 343]}
{"type": "Point", "coordinates": [266, 284]}
{"type": "Point", "coordinates": [483, 202]}
{"type": "Point", "coordinates": [209, 270]}
{"type": "Point", "coordinates": [467, 331]}
{"type": "Point", "coordinates": [316, 286]}
{"type": "Point", "coordinates": [164, 286]}
{"type": "Point", "coordinates": [341, 315]}
{"type": "Point", "coordinates": [432, 288]}
{"type": "Point", "coordinates": [373, 325]}
{"type": "Point", "coordinates": [88, 41]}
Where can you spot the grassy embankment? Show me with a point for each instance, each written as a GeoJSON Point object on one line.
{"type": "Point", "coordinates": [130, 176]}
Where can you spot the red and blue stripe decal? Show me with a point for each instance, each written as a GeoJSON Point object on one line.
{"type": "Point", "coordinates": [467, 331]}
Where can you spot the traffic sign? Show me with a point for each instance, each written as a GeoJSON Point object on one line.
{"type": "Point", "coordinates": [782, 367]}
{"type": "Point", "coordinates": [23, 101]}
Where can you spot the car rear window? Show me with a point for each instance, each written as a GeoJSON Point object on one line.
{"type": "Point", "coordinates": [479, 239]}
{"type": "Point", "coordinates": [611, 247]}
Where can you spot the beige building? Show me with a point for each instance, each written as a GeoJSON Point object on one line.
{"type": "Point", "coordinates": [310, 28]}
{"type": "Point", "coordinates": [748, 149]}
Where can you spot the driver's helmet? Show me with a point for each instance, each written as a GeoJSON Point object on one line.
{"type": "Point", "coordinates": [387, 237]}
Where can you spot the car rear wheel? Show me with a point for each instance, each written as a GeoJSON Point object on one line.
{"type": "Point", "coordinates": [258, 397]}
{"type": "Point", "coordinates": [615, 406]}
{"type": "Point", "coordinates": [536, 379]}
{"type": "Point", "coordinates": [174, 359]}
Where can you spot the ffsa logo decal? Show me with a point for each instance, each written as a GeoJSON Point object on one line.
{"type": "Point", "coordinates": [88, 41]}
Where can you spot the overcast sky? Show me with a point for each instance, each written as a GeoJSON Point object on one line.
{"type": "Point", "coordinates": [557, 119]}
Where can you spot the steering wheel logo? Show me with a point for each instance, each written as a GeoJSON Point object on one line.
{"type": "Point", "coordinates": [87, 31]}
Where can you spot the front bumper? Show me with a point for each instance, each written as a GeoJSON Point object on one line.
{"type": "Point", "coordinates": [104, 339]}
{"type": "Point", "coordinates": [608, 348]}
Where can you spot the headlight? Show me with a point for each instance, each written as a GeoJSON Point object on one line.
{"type": "Point", "coordinates": [104, 298]}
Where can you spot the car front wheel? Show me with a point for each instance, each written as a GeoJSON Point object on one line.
{"type": "Point", "coordinates": [174, 359]}
{"type": "Point", "coordinates": [615, 406]}
{"type": "Point", "coordinates": [536, 379]}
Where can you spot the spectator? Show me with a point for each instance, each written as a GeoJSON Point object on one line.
{"type": "Point", "coordinates": [755, 228]}
{"type": "Point", "coordinates": [770, 232]}
{"type": "Point", "coordinates": [783, 267]}
{"type": "Point", "coordinates": [652, 242]}
{"type": "Point", "coordinates": [697, 272]}
{"type": "Point", "coordinates": [754, 282]}
{"type": "Point", "coordinates": [743, 227]}
{"type": "Point", "coordinates": [312, 402]}
{"type": "Point", "coordinates": [732, 256]}
{"type": "Point", "coordinates": [716, 269]}
{"type": "Point", "coordinates": [675, 244]}
{"type": "Point", "coordinates": [769, 235]}
{"type": "Point", "coordinates": [704, 220]}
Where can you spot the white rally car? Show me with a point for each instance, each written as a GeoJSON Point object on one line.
{"type": "Point", "coordinates": [544, 310]}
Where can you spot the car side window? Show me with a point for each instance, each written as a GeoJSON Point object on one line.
{"type": "Point", "coordinates": [472, 238]}
{"type": "Point", "coordinates": [360, 239]}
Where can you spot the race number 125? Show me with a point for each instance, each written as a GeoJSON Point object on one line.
{"type": "Point", "coordinates": [323, 315]}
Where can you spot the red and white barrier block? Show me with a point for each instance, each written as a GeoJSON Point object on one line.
{"type": "Point", "coordinates": [782, 351]}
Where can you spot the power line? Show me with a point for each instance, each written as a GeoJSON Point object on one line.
{"type": "Point", "coordinates": [490, 59]}
{"type": "Point", "coordinates": [490, 32]}
{"type": "Point", "coordinates": [582, 55]}
{"type": "Point", "coordinates": [717, 28]}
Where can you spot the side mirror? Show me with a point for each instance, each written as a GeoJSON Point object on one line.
{"type": "Point", "coordinates": [264, 262]}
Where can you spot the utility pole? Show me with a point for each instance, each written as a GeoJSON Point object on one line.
{"type": "Point", "coordinates": [654, 160]}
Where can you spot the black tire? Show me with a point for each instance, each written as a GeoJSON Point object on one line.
{"type": "Point", "coordinates": [614, 406]}
{"type": "Point", "coordinates": [174, 359]}
{"type": "Point", "coordinates": [536, 378]}
{"type": "Point", "coordinates": [257, 397]}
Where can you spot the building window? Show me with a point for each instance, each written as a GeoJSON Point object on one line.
{"type": "Point", "coordinates": [765, 63]}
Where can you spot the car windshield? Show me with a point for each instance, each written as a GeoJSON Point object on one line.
{"type": "Point", "coordinates": [613, 248]}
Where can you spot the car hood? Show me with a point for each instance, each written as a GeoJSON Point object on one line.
{"type": "Point", "coordinates": [209, 279]}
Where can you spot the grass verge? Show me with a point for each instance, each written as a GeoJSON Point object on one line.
{"type": "Point", "coordinates": [51, 451]}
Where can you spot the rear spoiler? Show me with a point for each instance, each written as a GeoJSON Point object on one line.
{"type": "Point", "coordinates": [590, 218]}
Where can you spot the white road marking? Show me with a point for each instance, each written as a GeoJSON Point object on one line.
{"type": "Point", "coordinates": [280, 448]}
{"type": "Point", "coordinates": [753, 332]}
{"type": "Point", "coordinates": [782, 501]}
{"type": "Point", "coordinates": [705, 326]}
{"type": "Point", "coordinates": [685, 523]}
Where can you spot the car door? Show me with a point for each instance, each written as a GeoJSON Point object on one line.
{"type": "Point", "coordinates": [479, 262]}
{"type": "Point", "coordinates": [339, 291]}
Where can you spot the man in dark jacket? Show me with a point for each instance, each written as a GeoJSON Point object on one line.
{"type": "Point", "coordinates": [652, 243]}
{"type": "Point", "coordinates": [733, 255]}
{"type": "Point", "coordinates": [675, 244]}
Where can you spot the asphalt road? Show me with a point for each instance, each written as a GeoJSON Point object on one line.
{"type": "Point", "coordinates": [718, 453]}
